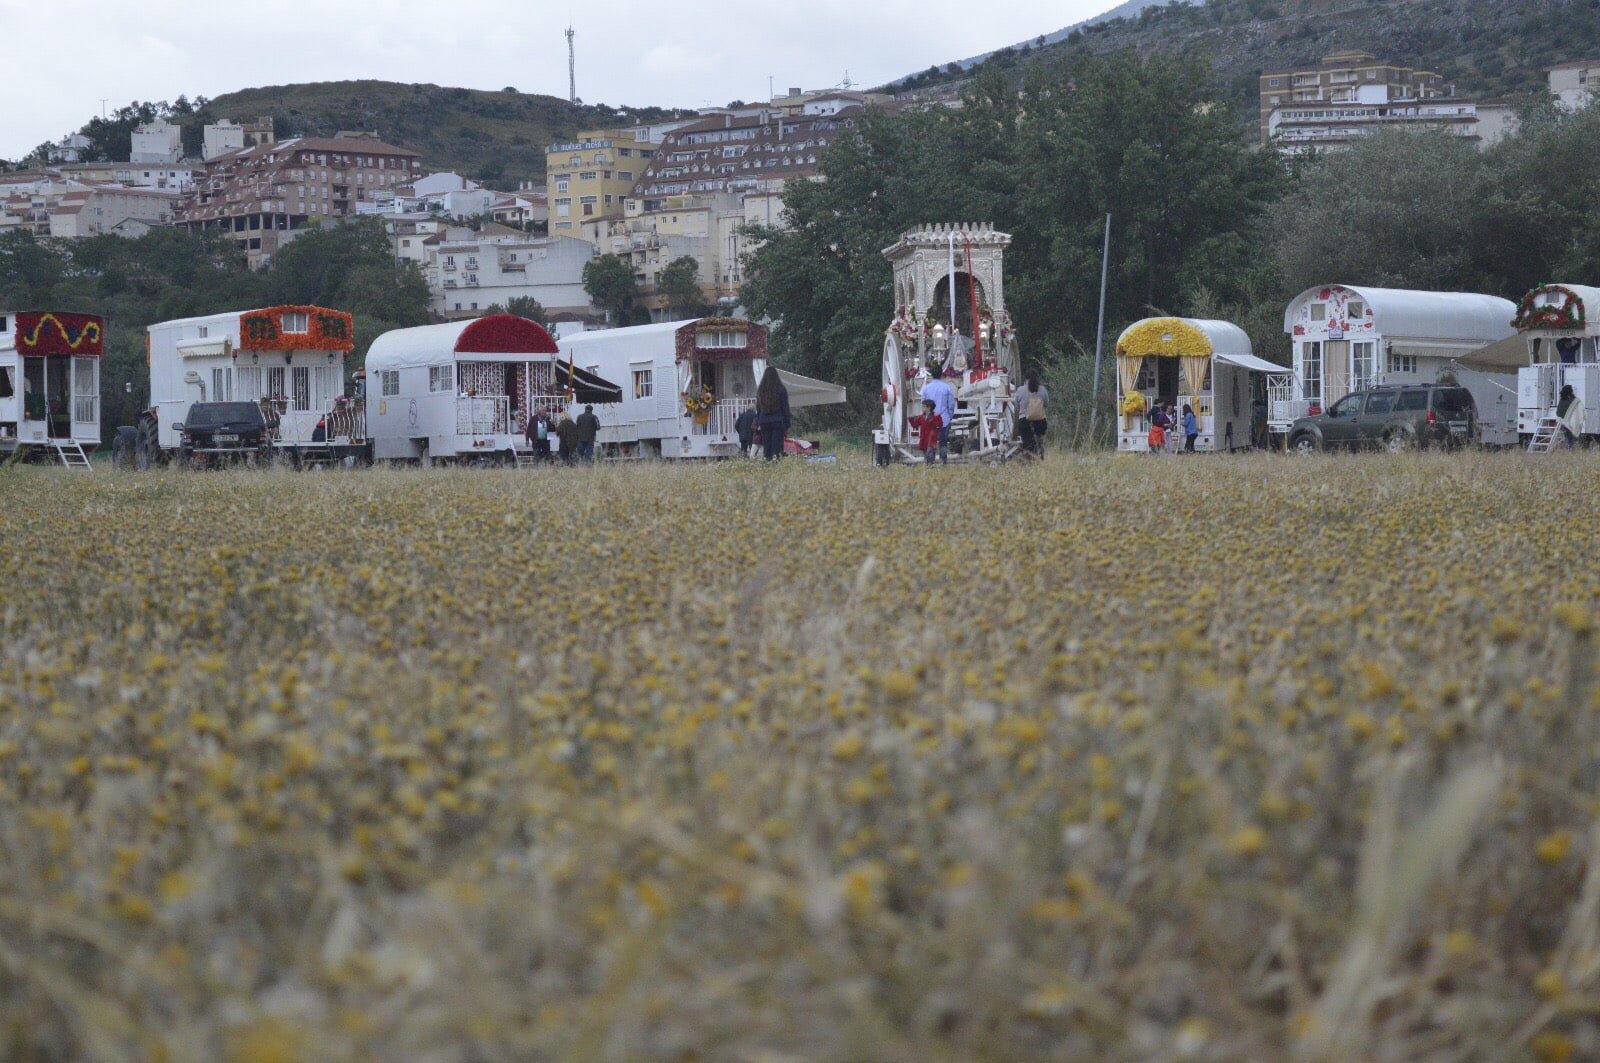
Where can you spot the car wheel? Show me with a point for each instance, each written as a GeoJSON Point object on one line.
{"type": "Point", "coordinates": [1304, 444]}
{"type": "Point", "coordinates": [1397, 442]}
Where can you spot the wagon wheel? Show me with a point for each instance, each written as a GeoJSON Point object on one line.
{"type": "Point", "coordinates": [893, 393]}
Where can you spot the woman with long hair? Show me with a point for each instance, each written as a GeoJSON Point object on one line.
{"type": "Point", "coordinates": [1031, 408]}
{"type": "Point", "coordinates": [772, 413]}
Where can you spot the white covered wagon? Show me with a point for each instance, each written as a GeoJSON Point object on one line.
{"type": "Point", "coordinates": [684, 385]}
{"type": "Point", "coordinates": [289, 360]}
{"type": "Point", "coordinates": [463, 391]}
{"type": "Point", "coordinates": [1347, 338]}
{"type": "Point", "coordinates": [1206, 365]}
{"type": "Point", "coordinates": [50, 384]}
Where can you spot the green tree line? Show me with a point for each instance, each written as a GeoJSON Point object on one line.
{"type": "Point", "coordinates": [172, 273]}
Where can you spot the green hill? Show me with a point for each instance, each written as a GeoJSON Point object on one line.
{"type": "Point", "coordinates": [495, 137]}
{"type": "Point", "coordinates": [492, 136]}
{"type": "Point", "coordinates": [1486, 49]}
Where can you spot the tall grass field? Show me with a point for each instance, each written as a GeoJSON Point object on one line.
{"type": "Point", "coordinates": [1143, 759]}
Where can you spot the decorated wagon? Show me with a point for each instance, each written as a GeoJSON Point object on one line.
{"type": "Point", "coordinates": [1347, 338]}
{"type": "Point", "coordinates": [287, 360]}
{"type": "Point", "coordinates": [464, 391]}
{"type": "Point", "coordinates": [684, 385]}
{"type": "Point", "coordinates": [1206, 365]}
{"type": "Point", "coordinates": [50, 384]}
{"type": "Point", "coordinates": [950, 322]}
{"type": "Point", "coordinates": [1559, 325]}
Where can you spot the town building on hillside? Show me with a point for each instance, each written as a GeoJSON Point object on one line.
{"type": "Point", "coordinates": [470, 271]}
{"type": "Point", "coordinates": [171, 177]}
{"type": "Point", "coordinates": [1336, 80]}
{"type": "Point", "coordinates": [1573, 84]}
{"type": "Point", "coordinates": [158, 143]}
{"type": "Point", "coordinates": [220, 138]}
{"type": "Point", "coordinates": [710, 179]}
{"type": "Point", "coordinates": [587, 179]}
{"type": "Point", "coordinates": [104, 209]}
{"type": "Point", "coordinates": [1301, 128]}
{"type": "Point", "coordinates": [522, 210]}
{"type": "Point", "coordinates": [262, 193]}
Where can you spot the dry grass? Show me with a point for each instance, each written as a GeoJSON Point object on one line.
{"type": "Point", "coordinates": [1109, 759]}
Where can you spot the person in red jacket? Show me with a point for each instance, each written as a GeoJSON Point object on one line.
{"type": "Point", "coordinates": [927, 427]}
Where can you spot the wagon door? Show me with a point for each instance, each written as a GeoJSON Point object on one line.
{"type": "Point", "coordinates": [86, 399]}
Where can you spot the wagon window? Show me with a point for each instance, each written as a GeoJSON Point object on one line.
{"type": "Point", "coordinates": [389, 380]}
{"type": "Point", "coordinates": [722, 339]}
{"type": "Point", "coordinates": [295, 323]}
{"type": "Point", "coordinates": [643, 383]}
{"type": "Point", "coordinates": [441, 378]}
{"type": "Point", "coordinates": [1319, 311]}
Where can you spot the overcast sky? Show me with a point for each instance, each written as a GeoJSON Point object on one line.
{"type": "Point", "coordinates": [64, 56]}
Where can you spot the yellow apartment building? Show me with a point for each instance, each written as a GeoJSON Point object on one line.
{"type": "Point", "coordinates": [588, 179]}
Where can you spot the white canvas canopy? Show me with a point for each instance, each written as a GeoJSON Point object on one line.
{"type": "Point", "coordinates": [1252, 363]}
{"type": "Point", "coordinates": [808, 391]}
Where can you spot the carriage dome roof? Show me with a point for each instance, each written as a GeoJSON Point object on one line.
{"type": "Point", "coordinates": [1173, 337]}
{"type": "Point", "coordinates": [433, 344]}
{"type": "Point", "coordinates": [1405, 314]}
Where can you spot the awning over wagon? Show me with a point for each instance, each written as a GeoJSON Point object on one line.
{"type": "Point", "coordinates": [1252, 363]}
{"type": "Point", "coordinates": [1506, 356]}
{"type": "Point", "coordinates": [587, 387]}
{"type": "Point", "coordinates": [808, 391]}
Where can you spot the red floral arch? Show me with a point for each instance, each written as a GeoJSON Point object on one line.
{"type": "Point", "coordinates": [505, 334]}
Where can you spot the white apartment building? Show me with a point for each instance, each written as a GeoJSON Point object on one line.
{"type": "Point", "coordinates": [102, 210]}
{"type": "Point", "coordinates": [1573, 84]}
{"type": "Point", "coordinates": [469, 272]}
{"type": "Point", "coordinates": [157, 142]}
{"type": "Point", "coordinates": [1327, 126]}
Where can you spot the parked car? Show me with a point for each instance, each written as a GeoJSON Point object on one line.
{"type": "Point", "coordinates": [223, 431]}
{"type": "Point", "coordinates": [1396, 417]}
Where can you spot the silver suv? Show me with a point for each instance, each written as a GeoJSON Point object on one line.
{"type": "Point", "coordinates": [1396, 417]}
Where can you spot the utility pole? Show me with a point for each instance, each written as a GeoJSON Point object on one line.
{"type": "Point", "coordinates": [103, 108]}
{"type": "Point", "coordinates": [572, 70]}
{"type": "Point", "coordinates": [1099, 332]}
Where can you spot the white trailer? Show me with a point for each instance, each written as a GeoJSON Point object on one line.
{"type": "Point", "coordinates": [463, 391]}
{"type": "Point", "coordinates": [661, 367]}
{"type": "Point", "coordinates": [289, 360]}
{"type": "Point", "coordinates": [1347, 338]}
{"type": "Point", "coordinates": [50, 384]}
{"type": "Point", "coordinates": [1206, 365]}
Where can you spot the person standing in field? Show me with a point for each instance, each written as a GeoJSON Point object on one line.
{"type": "Point", "coordinates": [588, 429]}
{"type": "Point", "coordinates": [1191, 428]}
{"type": "Point", "coordinates": [1032, 408]}
{"type": "Point", "coordinates": [745, 426]}
{"type": "Point", "coordinates": [567, 436]}
{"type": "Point", "coordinates": [1569, 412]}
{"type": "Point", "coordinates": [772, 413]}
{"type": "Point", "coordinates": [943, 398]}
{"type": "Point", "coordinates": [928, 425]}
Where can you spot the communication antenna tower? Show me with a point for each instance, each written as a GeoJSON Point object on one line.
{"type": "Point", "coordinates": [572, 70]}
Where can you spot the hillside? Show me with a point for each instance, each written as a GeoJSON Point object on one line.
{"type": "Point", "coordinates": [496, 137]}
{"type": "Point", "coordinates": [1487, 50]}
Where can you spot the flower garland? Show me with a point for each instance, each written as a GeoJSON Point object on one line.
{"type": "Point", "coordinates": [1568, 315]}
{"type": "Point", "coordinates": [906, 325]}
{"type": "Point", "coordinates": [59, 333]}
{"type": "Point", "coordinates": [324, 330]}
{"type": "Point", "coordinates": [999, 323]}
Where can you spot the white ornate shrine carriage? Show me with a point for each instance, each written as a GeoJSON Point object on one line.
{"type": "Point", "coordinates": [950, 321]}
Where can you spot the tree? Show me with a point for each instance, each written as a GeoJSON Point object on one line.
{"type": "Point", "coordinates": [529, 307]}
{"type": "Point", "coordinates": [611, 287]}
{"type": "Point", "coordinates": [679, 283]}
